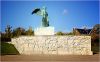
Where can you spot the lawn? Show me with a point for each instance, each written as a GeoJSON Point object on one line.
{"type": "Point", "coordinates": [8, 49]}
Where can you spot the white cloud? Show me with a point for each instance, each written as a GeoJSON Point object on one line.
{"type": "Point", "coordinates": [65, 11]}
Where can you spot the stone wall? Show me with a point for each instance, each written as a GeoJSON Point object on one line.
{"type": "Point", "coordinates": [61, 45]}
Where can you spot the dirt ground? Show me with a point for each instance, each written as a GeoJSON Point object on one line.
{"type": "Point", "coordinates": [50, 58]}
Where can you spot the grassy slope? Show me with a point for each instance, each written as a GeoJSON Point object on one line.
{"type": "Point", "coordinates": [7, 48]}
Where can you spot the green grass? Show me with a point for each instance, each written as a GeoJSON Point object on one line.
{"type": "Point", "coordinates": [8, 49]}
{"type": "Point", "coordinates": [95, 49]}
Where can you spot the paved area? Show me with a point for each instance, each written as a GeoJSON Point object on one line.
{"type": "Point", "coordinates": [50, 58]}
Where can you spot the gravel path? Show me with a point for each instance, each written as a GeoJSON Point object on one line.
{"type": "Point", "coordinates": [50, 58]}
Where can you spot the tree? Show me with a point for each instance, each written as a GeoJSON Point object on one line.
{"type": "Point", "coordinates": [30, 31]}
{"type": "Point", "coordinates": [18, 31]}
{"type": "Point", "coordinates": [70, 33]}
{"type": "Point", "coordinates": [95, 38]}
{"type": "Point", "coordinates": [59, 33]}
{"type": "Point", "coordinates": [8, 31]}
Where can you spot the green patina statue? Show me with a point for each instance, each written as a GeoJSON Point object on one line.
{"type": "Point", "coordinates": [42, 12]}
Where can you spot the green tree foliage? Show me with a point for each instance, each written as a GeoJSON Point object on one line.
{"type": "Point", "coordinates": [70, 33]}
{"type": "Point", "coordinates": [18, 31]}
{"type": "Point", "coordinates": [30, 31]}
{"type": "Point", "coordinates": [59, 33]}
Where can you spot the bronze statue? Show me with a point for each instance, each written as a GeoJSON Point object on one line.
{"type": "Point", "coordinates": [42, 12]}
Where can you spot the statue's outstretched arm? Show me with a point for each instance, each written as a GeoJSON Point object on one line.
{"type": "Point", "coordinates": [39, 13]}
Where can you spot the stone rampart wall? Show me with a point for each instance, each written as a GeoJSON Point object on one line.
{"type": "Point", "coordinates": [60, 45]}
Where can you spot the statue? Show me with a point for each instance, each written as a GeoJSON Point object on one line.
{"type": "Point", "coordinates": [45, 29]}
{"type": "Point", "coordinates": [42, 12]}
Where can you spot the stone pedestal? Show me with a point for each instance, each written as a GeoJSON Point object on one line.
{"type": "Point", "coordinates": [44, 31]}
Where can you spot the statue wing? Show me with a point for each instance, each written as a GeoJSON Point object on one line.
{"type": "Point", "coordinates": [36, 10]}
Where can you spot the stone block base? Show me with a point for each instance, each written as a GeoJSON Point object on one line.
{"type": "Point", "coordinates": [60, 45]}
{"type": "Point", "coordinates": [44, 31]}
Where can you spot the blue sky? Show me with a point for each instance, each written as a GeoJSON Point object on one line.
{"type": "Point", "coordinates": [63, 15]}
